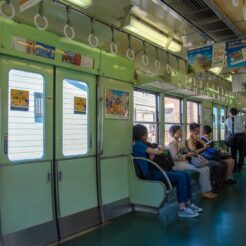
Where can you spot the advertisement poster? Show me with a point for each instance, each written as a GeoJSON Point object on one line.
{"type": "Point", "coordinates": [218, 55]}
{"type": "Point", "coordinates": [77, 59]}
{"type": "Point", "coordinates": [19, 100]}
{"type": "Point", "coordinates": [236, 53]}
{"type": "Point", "coordinates": [26, 4]}
{"type": "Point", "coordinates": [33, 48]}
{"type": "Point", "coordinates": [200, 59]}
{"type": "Point", "coordinates": [239, 82]}
{"type": "Point", "coordinates": [116, 104]}
{"type": "Point", "coordinates": [79, 105]}
{"type": "Point", "coordinates": [45, 50]}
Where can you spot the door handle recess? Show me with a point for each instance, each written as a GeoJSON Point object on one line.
{"type": "Point", "coordinates": [49, 177]}
{"type": "Point", "coordinates": [59, 175]}
{"type": "Point", "coordinates": [5, 143]}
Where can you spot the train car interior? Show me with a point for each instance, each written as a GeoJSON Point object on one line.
{"type": "Point", "coordinates": [92, 92]}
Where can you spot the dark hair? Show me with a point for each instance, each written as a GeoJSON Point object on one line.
{"type": "Point", "coordinates": [207, 129]}
{"type": "Point", "coordinates": [194, 126]}
{"type": "Point", "coordinates": [173, 129]}
{"type": "Point", "coordinates": [139, 131]}
{"type": "Point", "coordinates": [234, 111]}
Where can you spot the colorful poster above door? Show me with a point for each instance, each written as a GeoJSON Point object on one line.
{"type": "Point", "coordinates": [77, 59]}
{"type": "Point", "coordinates": [236, 53]}
{"type": "Point", "coordinates": [19, 100]}
{"type": "Point", "coordinates": [33, 48]}
{"type": "Point", "coordinates": [26, 4]}
{"type": "Point", "coordinates": [44, 50]}
{"type": "Point", "coordinates": [116, 104]}
{"type": "Point", "coordinates": [79, 105]}
{"type": "Point", "coordinates": [200, 59]}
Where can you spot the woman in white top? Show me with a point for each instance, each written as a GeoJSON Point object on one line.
{"type": "Point", "coordinates": [178, 150]}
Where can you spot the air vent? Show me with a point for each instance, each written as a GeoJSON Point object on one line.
{"type": "Point", "coordinates": [202, 17]}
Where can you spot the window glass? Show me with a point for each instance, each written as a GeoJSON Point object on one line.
{"type": "Point", "coordinates": [192, 112]}
{"type": "Point", "coordinates": [172, 116]}
{"type": "Point", "coordinates": [215, 124]}
{"type": "Point", "coordinates": [25, 116]}
{"type": "Point", "coordinates": [144, 107]}
{"type": "Point", "coordinates": [222, 124]}
{"type": "Point", "coordinates": [145, 113]}
{"type": "Point", "coordinates": [172, 110]}
{"type": "Point", "coordinates": [75, 117]}
{"type": "Point", "coordinates": [192, 115]}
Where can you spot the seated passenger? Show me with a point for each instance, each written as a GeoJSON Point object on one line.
{"type": "Point", "coordinates": [228, 161]}
{"type": "Point", "coordinates": [198, 146]}
{"type": "Point", "coordinates": [180, 154]}
{"type": "Point", "coordinates": [180, 179]}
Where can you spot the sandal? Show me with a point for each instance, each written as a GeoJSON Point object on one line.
{"type": "Point", "coordinates": [209, 195]}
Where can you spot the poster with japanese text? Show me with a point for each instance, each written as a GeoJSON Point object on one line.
{"type": "Point", "coordinates": [19, 100]}
{"type": "Point", "coordinates": [79, 105]}
{"type": "Point", "coordinates": [236, 53]}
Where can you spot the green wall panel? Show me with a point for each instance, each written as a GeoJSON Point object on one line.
{"type": "Point", "coordinates": [115, 179]}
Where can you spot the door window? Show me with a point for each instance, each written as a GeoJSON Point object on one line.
{"type": "Point", "coordinates": [75, 117]}
{"type": "Point", "coordinates": [25, 115]}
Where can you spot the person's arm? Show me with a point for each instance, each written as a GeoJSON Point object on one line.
{"type": "Point", "coordinates": [192, 147]}
{"type": "Point", "coordinates": [153, 151]}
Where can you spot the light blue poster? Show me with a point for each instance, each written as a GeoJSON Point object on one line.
{"type": "Point", "coordinates": [200, 59]}
{"type": "Point", "coordinates": [236, 53]}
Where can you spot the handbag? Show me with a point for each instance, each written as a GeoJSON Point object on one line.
{"type": "Point", "coordinates": [229, 137]}
{"type": "Point", "coordinates": [212, 154]}
{"type": "Point", "coordinates": [199, 162]}
{"type": "Point", "coordinates": [164, 160]}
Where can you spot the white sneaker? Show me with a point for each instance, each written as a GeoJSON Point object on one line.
{"type": "Point", "coordinates": [195, 208]}
{"type": "Point", "coordinates": [187, 213]}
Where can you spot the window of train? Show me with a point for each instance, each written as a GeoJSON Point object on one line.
{"type": "Point", "coordinates": [25, 115]}
{"type": "Point", "coordinates": [215, 123]}
{"type": "Point", "coordinates": [172, 116]}
{"type": "Point", "coordinates": [222, 124]}
{"type": "Point", "coordinates": [193, 114]}
{"type": "Point", "coordinates": [146, 113]}
{"type": "Point", "coordinates": [75, 118]}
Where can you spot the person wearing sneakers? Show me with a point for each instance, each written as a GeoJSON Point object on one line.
{"type": "Point", "coordinates": [178, 178]}
{"type": "Point", "coordinates": [180, 155]}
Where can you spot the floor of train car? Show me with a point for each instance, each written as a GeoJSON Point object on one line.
{"type": "Point", "coordinates": [221, 223]}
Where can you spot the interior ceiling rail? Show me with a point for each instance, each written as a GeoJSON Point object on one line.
{"type": "Point", "coordinates": [205, 18]}
{"type": "Point", "coordinates": [66, 5]}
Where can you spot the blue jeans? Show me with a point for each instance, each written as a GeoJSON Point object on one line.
{"type": "Point", "coordinates": [179, 179]}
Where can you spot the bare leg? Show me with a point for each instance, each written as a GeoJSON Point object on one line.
{"type": "Point", "coordinates": [229, 168]}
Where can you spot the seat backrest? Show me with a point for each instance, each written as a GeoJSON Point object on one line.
{"type": "Point", "coordinates": [137, 169]}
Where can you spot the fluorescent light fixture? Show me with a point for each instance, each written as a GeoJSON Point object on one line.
{"type": "Point", "coordinates": [81, 3]}
{"type": "Point", "coordinates": [153, 35]}
{"type": "Point", "coordinates": [216, 70]}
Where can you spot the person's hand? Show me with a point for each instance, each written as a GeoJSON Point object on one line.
{"type": "Point", "coordinates": [190, 154]}
{"type": "Point", "coordinates": [161, 148]}
{"type": "Point", "coordinates": [207, 146]}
